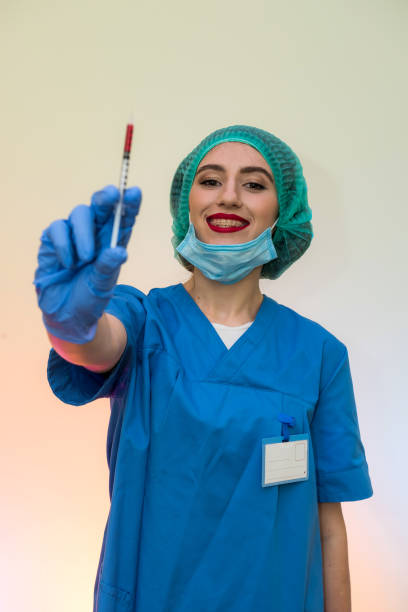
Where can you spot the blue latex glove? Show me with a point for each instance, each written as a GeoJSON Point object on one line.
{"type": "Point", "coordinates": [77, 270]}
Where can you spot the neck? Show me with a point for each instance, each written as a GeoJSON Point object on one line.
{"type": "Point", "coordinates": [234, 304]}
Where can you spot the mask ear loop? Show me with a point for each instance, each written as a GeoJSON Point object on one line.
{"type": "Point", "coordinates": [272, 232]}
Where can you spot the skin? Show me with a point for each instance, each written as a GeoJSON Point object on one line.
{"type": "Point", "coordinates": [252, 196]}
{"type": "Point", "coordinates": [336, 574]}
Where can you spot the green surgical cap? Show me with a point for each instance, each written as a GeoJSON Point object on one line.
{"type": "Point", "coordinates": [294, 230]}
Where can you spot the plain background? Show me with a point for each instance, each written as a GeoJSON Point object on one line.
{"type": "Point", "coordinates": [327, 77]}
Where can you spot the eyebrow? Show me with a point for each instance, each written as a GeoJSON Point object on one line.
{"type": "Point", "coordinates": [246, 170]}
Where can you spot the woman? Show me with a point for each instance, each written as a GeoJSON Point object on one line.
{"type": "Point", "coordinates": [233, 436]}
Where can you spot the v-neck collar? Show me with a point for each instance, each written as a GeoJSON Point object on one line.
{"type": "Point", "coordinates": [226, 361]}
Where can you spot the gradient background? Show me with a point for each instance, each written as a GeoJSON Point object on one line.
{"type": "Point", "coordinates": [329, 78]}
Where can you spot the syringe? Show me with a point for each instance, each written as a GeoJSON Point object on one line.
{"type": "Point", "coordinates": [122, 184]}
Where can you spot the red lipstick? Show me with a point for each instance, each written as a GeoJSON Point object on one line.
{"type": "Point", "coordinates": [232, 228]}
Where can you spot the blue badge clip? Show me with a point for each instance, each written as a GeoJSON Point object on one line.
{"type": "Point", "coordinates": [286, 421]}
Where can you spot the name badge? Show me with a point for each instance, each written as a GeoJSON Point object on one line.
{"type": "Point", "coordinates": [284, 462]}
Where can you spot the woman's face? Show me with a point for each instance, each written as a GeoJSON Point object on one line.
{"type": "Point", "coordinates": [233, 198]}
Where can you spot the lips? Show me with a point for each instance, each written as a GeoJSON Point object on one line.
{"type": "Point", "coordinates": [225, 227]}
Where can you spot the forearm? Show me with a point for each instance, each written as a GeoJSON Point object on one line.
{"type": "Point", "coordinates": [100, 354]}
{"type": "Point", "coordinates": [336, 576]}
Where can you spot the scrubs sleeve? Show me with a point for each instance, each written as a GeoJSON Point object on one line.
{"type": "Point", "coordinates": [341, 467]}
{"type": "Point", "coordinates": [75, 384]}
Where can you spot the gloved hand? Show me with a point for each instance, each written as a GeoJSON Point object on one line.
{"type": "Point", "coordinates": [77, 270]}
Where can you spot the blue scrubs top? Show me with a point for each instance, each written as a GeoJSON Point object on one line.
{"type": "Point", "coordinates": [190, 526]}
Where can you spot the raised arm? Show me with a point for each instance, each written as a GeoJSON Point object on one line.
{"type": "Point", "coordinates": [100, 354]}
{"type": "Point", "coordinates": [76, 276]}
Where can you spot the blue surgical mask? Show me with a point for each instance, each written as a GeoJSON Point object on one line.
{"type": "Point", "coordinates": [228, 263]}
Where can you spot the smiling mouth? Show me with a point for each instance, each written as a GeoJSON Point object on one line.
{"type": "Point", "coordinates": [223, 222]}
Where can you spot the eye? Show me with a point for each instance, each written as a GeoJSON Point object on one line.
{"type": "Point", "coordinates": [209, 182]}
{"type": "Point", "coordinates": [256, 186]}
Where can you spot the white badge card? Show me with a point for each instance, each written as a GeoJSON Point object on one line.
{"type": "Point", "coordinates": [284, 462]}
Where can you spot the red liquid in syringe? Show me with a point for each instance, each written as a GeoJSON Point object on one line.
{"type": "Point", "coordinates": [122, 183]}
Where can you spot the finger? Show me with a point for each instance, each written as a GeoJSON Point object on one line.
{"type": "Point", "coordinates": [132, 198]}
{"type": "Point", "coordinates": [106, 270]}
{"type": "Point", "coordinates": [48, 262]}
{"type": "Point", "coordinates": [103, 203]}
{"type": "Point", "coordinates": [82, 221]}
{"type": "Point", "coordinates": [131, 206]}
{"type": "Point", "coordinates": [59, 233]}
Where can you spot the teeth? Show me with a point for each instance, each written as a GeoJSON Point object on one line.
{"type": "Point", "coordinates": [227, 223]}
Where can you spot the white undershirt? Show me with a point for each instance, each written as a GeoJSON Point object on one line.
{"type": "Point", "coordinates": [230, 334]}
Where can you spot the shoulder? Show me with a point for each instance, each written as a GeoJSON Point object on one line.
{"type": "Point", "coordinates": [132, 294]}
{"type": "Point", "coordinates": [319, 344]}
{"type": "Point", "coordinates": [310, 331]}
{"type": "Point", "coordinates": [154, 308]}
{"type": "Point", "coordinates": [129, 293]}
{"type": "Point", "coordinates": [135, 298]}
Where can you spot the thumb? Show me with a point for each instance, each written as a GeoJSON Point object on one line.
{"type": "Point", "coordinates": [105, 270]}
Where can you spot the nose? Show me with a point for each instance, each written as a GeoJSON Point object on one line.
{"type": "Point", "coordinates": [229, 195]}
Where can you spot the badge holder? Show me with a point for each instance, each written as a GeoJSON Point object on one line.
{"type": "Point", "coordinates": [285, 457]}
